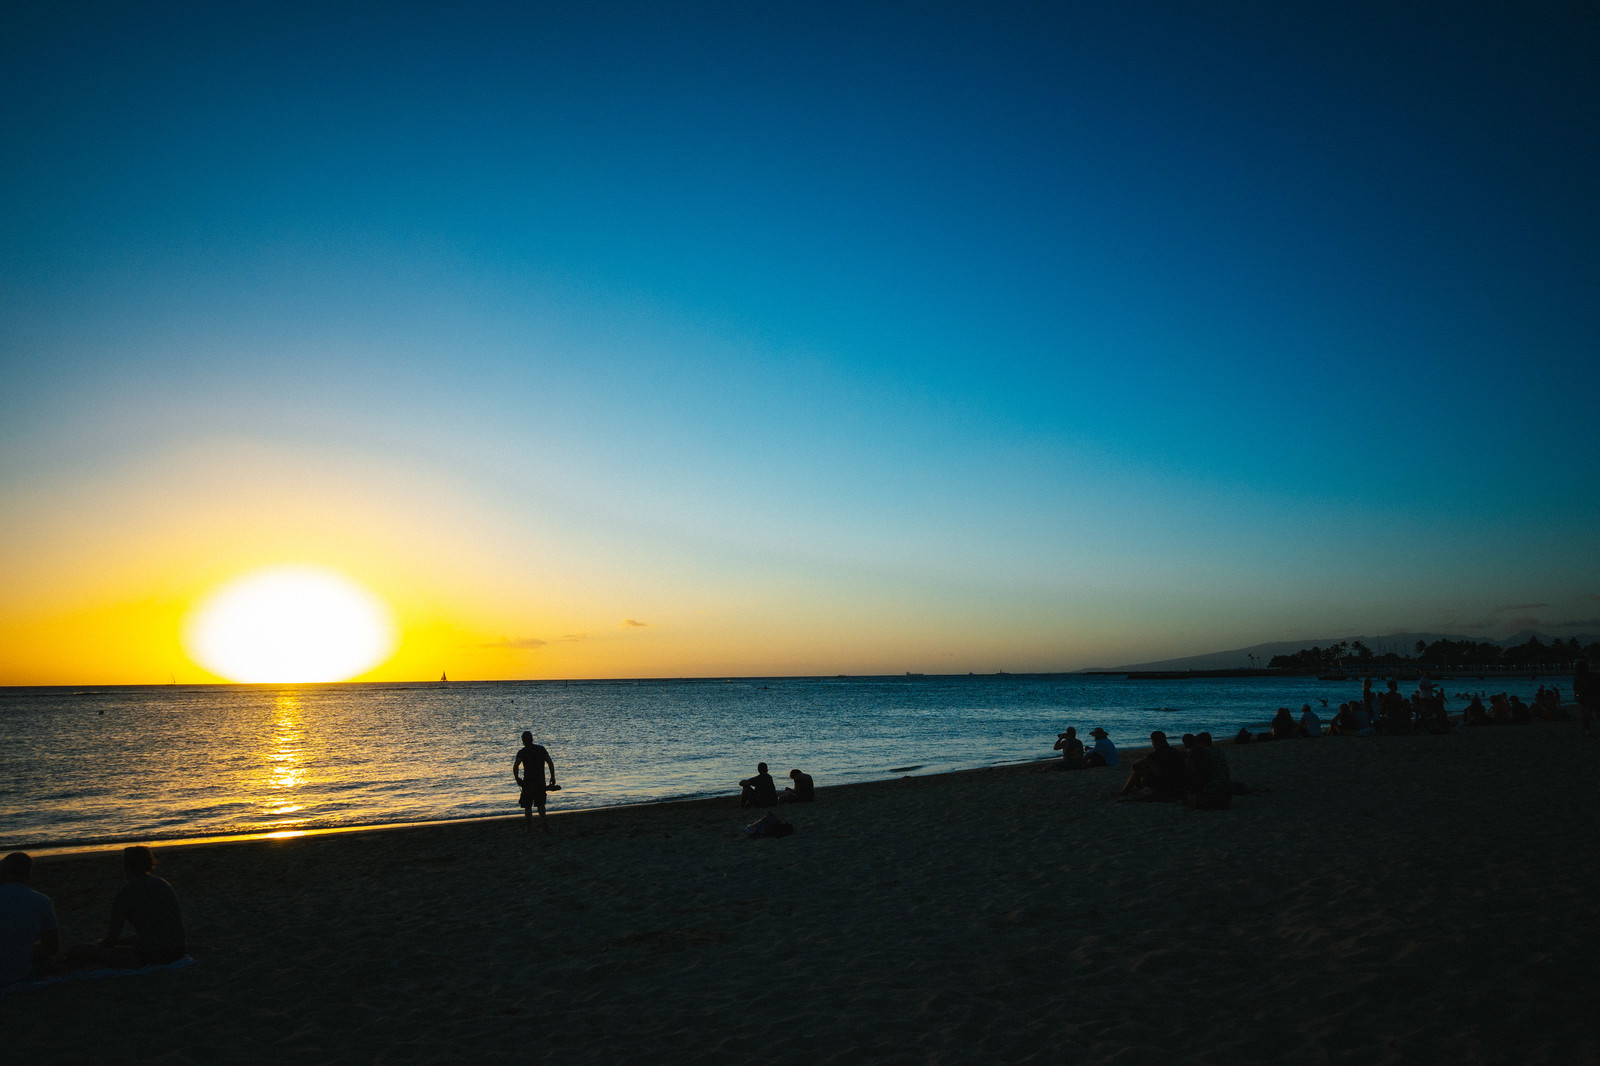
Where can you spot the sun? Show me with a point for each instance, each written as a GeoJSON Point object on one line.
{"type": "Point", "coordinates": [290, 624]}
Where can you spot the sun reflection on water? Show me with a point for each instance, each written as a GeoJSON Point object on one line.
{"type": "Point", "coordinates": [285, 761]}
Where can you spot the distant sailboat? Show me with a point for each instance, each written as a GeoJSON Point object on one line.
{"type": "Point", "coordinates": [442, 677]}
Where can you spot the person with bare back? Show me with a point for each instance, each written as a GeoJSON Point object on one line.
{"type": "Point", "coordinates": [528, 769]}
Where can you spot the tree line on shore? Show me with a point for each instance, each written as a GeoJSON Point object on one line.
{"type": "Point", "coordinates": [1532, 653]}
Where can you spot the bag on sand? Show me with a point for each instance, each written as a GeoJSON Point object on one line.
{"type": "Point", "coordinates": [768, 825]}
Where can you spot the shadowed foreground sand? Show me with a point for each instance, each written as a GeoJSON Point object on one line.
{"type": "Point", "coordinates": [1426, 899]}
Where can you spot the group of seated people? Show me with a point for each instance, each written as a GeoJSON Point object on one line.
{"type": "Point", "coordinates": [1198, 774]}
{"type": "Point", "coordinates": [760, 791]}
{"type": "Point", "coordinates": [30, 940]}
{"type": "Point", "coordinates": [1073, 755]}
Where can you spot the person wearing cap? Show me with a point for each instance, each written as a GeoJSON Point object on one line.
{"type": "Point", "coordinates": [28, 936]}
{"type": "Point", "coordinates": [1104, 753]}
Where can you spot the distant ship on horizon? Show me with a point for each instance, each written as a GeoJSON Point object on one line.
{"type": "Point", "coordinates": [442, 676]}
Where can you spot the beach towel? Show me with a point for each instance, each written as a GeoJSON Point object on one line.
{"type": "Point", "coordinates": [92, 974]}
{"type": "Point", "coordinates": [768, 825]}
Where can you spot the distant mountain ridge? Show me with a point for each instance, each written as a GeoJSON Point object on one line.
{"type": "Point", "coordinates": [1402, 643]}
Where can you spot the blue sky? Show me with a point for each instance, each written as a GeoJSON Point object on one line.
{"type": "Point", "coordinates": [1023, 337]}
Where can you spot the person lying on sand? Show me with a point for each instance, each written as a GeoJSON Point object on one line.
{"type": "Point", "coordinates": [758, 791]}
{"type": "Point", "coordinates": [804, 789]}
{"type": "Point", "coordinates": [1071, 749]}
{"type": "Point", "coordinates": [1161, 775]}
{"type": "Point", "coordinates": [151, 905]}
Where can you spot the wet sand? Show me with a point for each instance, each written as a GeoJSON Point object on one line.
{"type": "Point", "coordinates": [1414, 899]}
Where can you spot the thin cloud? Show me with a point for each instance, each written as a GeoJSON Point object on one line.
{"type": "Point", "coordinates": [573, 638]}
{"type": "Point", "coordinates": [632, 623]}
{"type": "Point", "coordinates": [1521, 607]}
{"type": "Point", "coordinates": [519, 644]}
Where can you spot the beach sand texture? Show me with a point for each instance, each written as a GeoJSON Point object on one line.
{"type": "Point", "coordinates": [1412, 899]}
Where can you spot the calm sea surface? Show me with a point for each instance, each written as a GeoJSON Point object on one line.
{"type": "Point", "coordinates": [126, 763]}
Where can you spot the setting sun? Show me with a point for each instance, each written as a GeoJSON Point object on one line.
{"type": "Point", "coordinates": [290, 624]}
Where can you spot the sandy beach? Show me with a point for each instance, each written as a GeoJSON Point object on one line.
{"type": "Point", "coordinates": [1414, 899]}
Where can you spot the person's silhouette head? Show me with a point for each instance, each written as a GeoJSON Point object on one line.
{"type": "Point", "coordinates": [761, 767]}
{"type": "Point", "coordinates": [18, 867]}
{"type": "Point", "coordinates": [527, 738]}
{"type": "Point", "coordinates": [137, 860]}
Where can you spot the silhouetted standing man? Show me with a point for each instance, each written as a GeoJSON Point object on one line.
{"type": "Point", "coordinates": [528, 769]}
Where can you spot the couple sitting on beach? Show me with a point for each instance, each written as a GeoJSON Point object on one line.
{"type": "Point", "coordinates": [759, 791]}
{"type": "Point", "coordinates": [29, 938]}
{"type": "Point", "coordinates": [1198, 774]}
{"type": "Point", "coordinates": [1073, 757]}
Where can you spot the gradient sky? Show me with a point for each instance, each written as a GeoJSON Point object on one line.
{"type": "Point", "coordinates": [644, 340]}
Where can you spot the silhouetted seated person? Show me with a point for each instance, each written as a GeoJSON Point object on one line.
{"type": "Point", "coordinates": [28, 936]}
{"type": "Point", "coordinates": [1396, 711]}
{"type": "Point", "coordinates": [150, 904]}
{"type": "Point", "coordinates": [1310, 724]}
{"type": "Point", "coordinates": [1207, 782]}
{"type": "Point", "coordinates": [804, 790]}
{"type": "Point", "coordinates": [1071, 749]}
{"type": "Point", "coordinates": [1476, 713]}
{"type": "Point", "coordinates": [1521, 713]}
{"type": "Point", "coordinates": [1345, 723]}
{"type": "Point", "coordinates": [1104, 752]}
{"type": "Point", "coordinates": [1161, 775]}
{"type": "Point", "coordinates": [1283, 725]}
{"type": "Point", "coordinates": [1548, 705]}
{"type": "Point", "coordinates": [1243, 736]}
{"type": "Point", "coordinates": [1500, 709]}
{"type": "Point", "coordinates": [758, 791]}
{"type": "Point", "coordinates": [1431, 714]}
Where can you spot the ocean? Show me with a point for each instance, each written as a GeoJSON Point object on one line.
{"type": "Point", "coordinates": [101, 765]}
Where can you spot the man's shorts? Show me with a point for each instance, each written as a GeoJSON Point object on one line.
{"type": "Point", "coordinates": [532, 796]}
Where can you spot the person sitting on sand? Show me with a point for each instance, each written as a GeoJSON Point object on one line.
{"type": "Point", "coordinates": [758, 791]}
{"type": "Point", "coordinates": [1521, 714]}
{"type": "Point", "coordinates": [1283, 725]}
{"type": "Point", "coordinates": [1310, 724]}
{"type": "Point", "coordinates": [1476, 713]}
{"type": "Point", "coordinates": [1161, 774]}
{"type": "Point", "coordinates": [1395, 710]}
{"type": "Point", "coordinates": [1586, 690]}
{"type": "Point", "coordinates": [1243, 736]}
{"type": "Point", "coordinates": [1071, 749]}
{"type": "Point", "coordinates": [804, 789]}
{"type": "Point", "coordinates": [1345, 723]}
{"type": "Point", "coordinates": [1104, 753]}
{"type": "Point", "coordinates": [531, 761]}
{"type": "Point", "coordinates": [29, 939]}
{"type": "Point", "coordinates": [151, 905]}
{"type": "Point", "coordinates": [1500, 709]}
{"type": "Point", "coordinates": [1208, 784]}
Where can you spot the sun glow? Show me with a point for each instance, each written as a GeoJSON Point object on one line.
{"type": "Point", "coordinates": [290, 624]}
